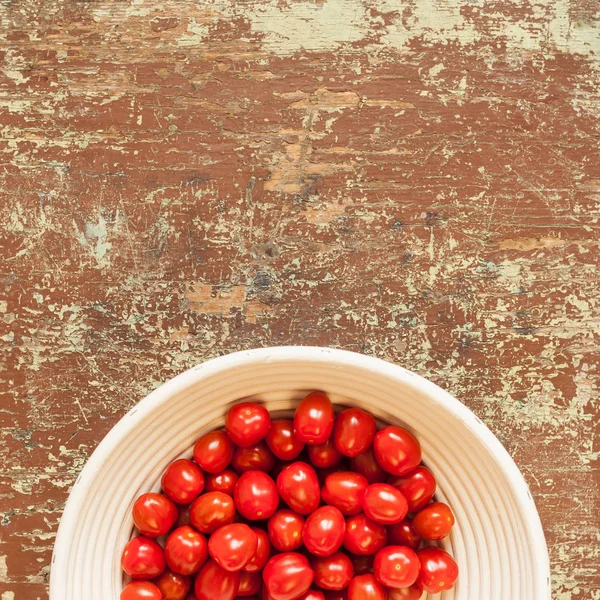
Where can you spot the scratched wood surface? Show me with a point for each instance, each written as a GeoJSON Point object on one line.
{"type": "Point", "coordinates": [417, 180]}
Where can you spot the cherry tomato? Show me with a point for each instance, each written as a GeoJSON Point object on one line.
{"type": "Point", "coordinates": [336, 594]}
{"type": "Point", "coordinates": [287, 576]}
{"type": "Point", "coordinates": [221, 482]}
{"type": "Point", "coordinates": [183, 515]}
{"type": "Point", "coordinates": [418, 487]}
{"type": "Point", "coordinates": [255, 495]}
{"type": "Point", "coordinates": [191, 596]}
{"type": "Point", "coordinates": [247, 423]}
{"type": "Point", "coordinates": [414, 592]}
{"type": "Point", "coordinates": [183, 481]}
{"type": "Point", "coordinates": [366, 587]}
{"type": "Point", "coordinates": [313, 595]}
{"type": "Point", "coordinates": [141, 590]}
{"type": "Point", "coordinates": [364, 536]}
{"type": "Point", "coordinates": [397, 450]}
{"type": "Point", "coordinates": [353, 431]}
{"type": "Point", "coordinates": [314, 418]}
{"type": "Point", "coordinates": [285, 530]}
{"type": "Point", "coordinates": [173, 586]}
{"type": "Point", "coordinates": [263, 550]}
{"type": "Point", "coordinates": [215, 583]}
{"type": "Point", "coordinates": [438, 570]}
{"type": "Point", "coordinates": [298, 487]}
{"type": "Point", "coordinates": [185, 550]}
{"type": "Point", "coordinates": [154, 514]}
{"type": "Point", "coordinates": [211, 511]}
{"type": "Point", "coordinates": [383, 503]}
{"type": "Point", "coordinates": [143, 558]}
{"type": "Point", "coordinates": [282, 441]}
{"type": "Point", "coordinates": [403, 534]}
{"type": "Point", "coordinates": [396, 566]}
{"type": "Point", "coordinates": [257, 457]}
{"type": "Point", "coordinates": [233, 546]}
{"type": "Point", "coordinates": [324, 456]}
{"type": "Point", "coordinates": [249, 584]}
{"type": "Point", "coordinates": [362, 564]}
{"type": "Point", "coordinates": [342, 467]}
{"type": "Point", "coordinates": [368, 467]}
{"type": "Point", "coordinates": [324, 531]}
{"type": "Point", "coordinates": [213, 451]}
{"type": "Point", "coordinates": [433, 522]}
{"type": "Point", "coordinates": [333, 572]}
{"type": "Point", "coordinates": [345, 490]}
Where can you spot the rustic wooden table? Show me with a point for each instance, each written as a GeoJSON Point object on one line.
{"type": "Point", "coordinates": [419, 181]}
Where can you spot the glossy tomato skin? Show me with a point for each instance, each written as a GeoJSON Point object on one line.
{"type": "Point", "coordinates": [257, 457]}
{"type": "Point", "coordinates": [154, 514]}
{"type": "Point", "coordinates": [314, 419]}
{"type": "Point", "coordinates": [403, 534]}
{"type": "Point", "coordinates": [215, 583]}
{"type": "Point", "coordinates": [418, 487]}
{"type": "Point", "coordinates": [211, 511]}
{"type": "Point", "coordinates": [366, 587]}
{"type": "Point", "coordinates": [396, 566]}
{"type": "Point", "coordinates": [438, 571]}
{"type": "Point", "coordinates": [333, 572]}
{"type": "Point", "coordinates": [397, 450]}
{"type": "Point", "coordinates": [143, 558]}
{"type": "Point", "coordinates": [263, 551]}
{"type": "Point", "coordinates": [249, 584]}
{"type": "Point", "coordinates": [384, 504]}
{"type": "Point", "coordinates": [336, 594]}
{"type": "Point", "coordinates": [287, 576]}
{"type": "Point", "coordinates": [183, 481]}
{"type": "Point", "coordinates": [213, 451]}
{"type": "Point", "coordinates": [233, 546]}
{"type": "Point", "coordinates": [345, 490]}
{"type": "Point", "coordinates": [313, 595]}
{"type": "Point", "coordinates": [281, 440]}
{"type": "Point", "coordinates": [173, 586]}
{"type": "Point", "coordinates": [414, 592]}
{"type": "Point", "coordinates": [141, 590]}
{"type": "Point", "coordinates": [353, 431]}
{"type": "Point", "coordinates": [247, 423]}
{"type": "Point", "coordinates": [298, 487]}
{"type": "Point", "coordinates": [255, 496]}
{"type": "Point", "coordinates": [185, 550]}
{"type": "Point", "coordinates": [324, 456]}
{"type": "Point", "coordinates": [324, 530]}
{"type": "Point", "coordinates": [285, 530]}
{"type": "Point", "coordinates": [434, 521]}
{"type": "Point", "coordinates": [364, 536]}
{"type": "Point", "coordinates": [366, 464]}
{"type": "Point", "coordinates": [223, 481]}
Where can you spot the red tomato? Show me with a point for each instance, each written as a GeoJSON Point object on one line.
{"type": "Point", "coordinates": [367, 465]}
{"type": "Point", "coordinates": [185, 550]}
{"type": "Point", "coordinates": [313, 419]}
{"type": "Point", "coordinates": [285, 530]}
{"type": "Point", "coordinates": [324, 456]}
{"type": "Point", "coordinates": [154, 514]}
{"type": "Point", "coordinates": [396, 566]}
{"type": "Point", "coordinates": [345, 491]}
{"type": "Point", "coordinates": [397, 450]}
{"type": "Point", "coordinates": [249, 584]}
{"type": "Point", "coordinates": [191, 596]}
{"type": "Point", "coordinates": [141, 590]}
{"type": "Point", "coordinates": [364, 536]}
{"type": "Point", "coordinates": [438, 570]}
{"type": "Point", "coordinates": [336, 594]}
{"type": "Point", "coordinates": [287, 576]}
{"type": "Point", "coordinates": [211, 511]}
{"type": "Point", "coordinates": [362, 564]}
{"type": "Point", "coordinates": [433, 522]}
{"type": "Point", "coordinates": [414, 592]}
{"type": "Point", "coordinates": [221, 482]}
{"type": "Point", "coordinates": [233, 546]}
{"type": "Point", "coordinates": [313, 595]}
{"type": "Point", "coordinates": [263, 550]}
{"type": "Point", "coordinates": [282, 441]}
{"type": "Point", "coordinates": [247, 423]}
{"type": "Point", "coordinates": [255, 495]}
{"type": "Point", "coordinates": [333, 572]}
{"type": "Point", "coordinates": [183, 515]}
{"type": "Point", "coordinates": [298, 487]}
{"type": "Point", "coordinates": [215, 583]}
{"type": "Point", "coordinates": [143, 558]}
{"type": "Point", "coordinates": [183, 481]}
{"type": "Point", "coordinates": [173, 586]}
{"type": "Point", "coordinates": [366, 587]}
{"type": "Point", "coordinates": [213, 451]}
{"type": "Point", "coordinates": [324, 531]}
{"type": "Point", "coordinates": [257, 457]}
{"type": "Point", "coordinates": [384, 504]}
{"type": "Point", "coordinates": [353, 431]}
{"type": "Point", "coordinates": [418, 487]}
{"type": "Point", "coordinates": [403, 534]}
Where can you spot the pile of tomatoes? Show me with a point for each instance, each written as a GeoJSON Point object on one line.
{"type": "Point", "coordinates": [323, 507]}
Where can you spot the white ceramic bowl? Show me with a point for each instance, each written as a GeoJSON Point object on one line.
{"type": "Point", "coordinates": [497, 541]}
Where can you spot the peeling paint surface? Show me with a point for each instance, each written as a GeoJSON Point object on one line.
{"type": "Point", "coordinates": [418, 180]}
